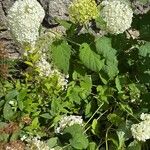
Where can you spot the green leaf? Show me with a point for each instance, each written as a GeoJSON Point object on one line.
{"type": "Point", "coordinates": [12, 94]}
{"type": "Point", "coordinates": [92, 146]}
{"type": "Point", "coordinates": [144, 50]}
{"type": "Point", "coordinates": [126, 108]}
{"type": "Point", "coordinates": [46, 115]}
{"type": "Point", "coordinates": [64, 23]}
{"type": "Point", "coordinates": [61, 52]}
{"type": "Point", "coordinates": [118, 84]}
{"type": "Point", "coordinates": [121, 139]}
{"type": "Point", "coordinates": [15, 136]}
{"type": "Point", "coordinates": [104, 48]}
{"type": "Point", "coordinates": [22, 94]}
{"type": "Point", "coordinates": [79, 141]}
{"type": "Point", "coordinates": [114, 119]}
{"type": "Point", "coordinates": [135, 145]}
{"type": "Point", "coordinates": [52, 142]}
{"type": "Point", "coordinates": [8, 112]}
{"type": "Point", "coordinates": [90, 59]}
{"type": "Point", "coordinates": [21, 97]}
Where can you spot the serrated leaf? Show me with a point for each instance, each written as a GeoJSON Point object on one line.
{"type": "Point", "coordinates": [104, 48]}
{"type": "Point", "coordinates": [90, 59]}
{"type": "Point", "coordinates": [61, 52]}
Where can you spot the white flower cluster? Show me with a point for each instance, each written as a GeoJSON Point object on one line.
{"type": "Point", "coordinates": [141, 131]}
{"type": "Point", "coordinates": [47, 70]}
{"type": "Point", "coordinates": [36, 143]}
{"type": "Point", "coordinates": [67, 121]}
{"type": "Point", "coordinates": [24, 19]}
{"type": "Point", "coordinates": [117, 14]}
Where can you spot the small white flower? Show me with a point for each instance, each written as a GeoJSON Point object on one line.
{"type": "Point", "coordinates": [145, 117]}
{"type": "Point", "coordinates": [117, 14]}
{"type": "Point", "coordinates": [12, 103]}
{"type": "Point", "coordinates": [67, 121]}
{"type": "Point", "coordinates": [36, 143]}
{"type": "Point", "coordinates": [141, 131]}
{"type": "Point", "coordinates": [24, 19]}
{"type": "Point", "coordinates": [24, 137]}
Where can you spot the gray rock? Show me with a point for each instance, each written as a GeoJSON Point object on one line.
{"type": "Point", "coordinates": [14, 50]}
{"type": "Point", "coordinates": [55, 8]}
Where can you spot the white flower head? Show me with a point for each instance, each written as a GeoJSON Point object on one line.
{"type": "Point", "coordinates": [24, 19]}
{"type": "Point", "coordinates": [47, 69]}
{"type": "Point", "coordinates": [36, 143]}
{"type": "Point", "coordinates": [44, 66]}
{"type": "Point", "coordinates": [141, 131]}
{"type": "Point", "coordinates": [67, 121]}
{"type": "Point", "coordinates": [117, 14]}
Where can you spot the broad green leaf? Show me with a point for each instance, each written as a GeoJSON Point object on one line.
{"type": "Point", "coordinates": [144, 50]}
{"type": "Point", "coordinates": [61, 52]}
{"type": "Point", "coordinates": [8, 112]}
{"type": "Point", "coordinates": [52, 142]}
{"type": "Point", "coordinates": [76, 128]}
{"type": "Point", "coordinates": [79, 141]}
{"type": "Point", "coordinates": [90, 59]}
{"type": "Point", "coordinates": [104, 48]}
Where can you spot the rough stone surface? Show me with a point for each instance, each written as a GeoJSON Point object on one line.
{"type": "Point", "coordinates": [11, 46]}
{"type": "Point", "coordinates": [56, 8]}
